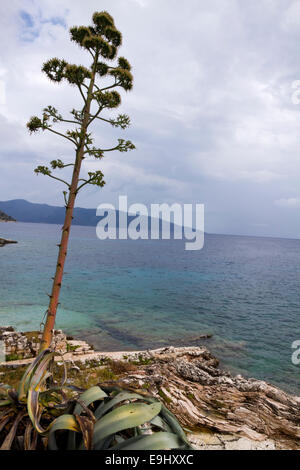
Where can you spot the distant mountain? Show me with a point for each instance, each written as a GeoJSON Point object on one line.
{"type": "Point", "coordinates": [6, 218]}
{"type": "Point", "coordinates": [25, 211]}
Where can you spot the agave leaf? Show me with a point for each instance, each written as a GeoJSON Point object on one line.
{"type": "Point", "coordinates": [106, 443]}
{"type": "Point", "coordinates": [121, 444]}
{"type": "Point", "coordinates": [104, 407]}
{"type": "Point", "coordinates": [64, 376]}
{"type": "Point", "coordinates": [7, 443]}
{"type": "Point", "coordinates": [41, 372]}
{"type": "Point", "coordinates": [74, 388]}
{"type": "Point", "coordinates": [6, 412]}
{"type": "Point", "coordinates": [4, 421]}
{"type": "Point", "coordinates": [34, 440]}
{"type": "Point", "coordinates": [171, 421]}
{"type": "Point", "coordinates": [4, 390]}
{"type": "Point", "coordinates": [87, 428]}
{"type": "Point", "coordinates": [124, 417]}
{"type": "Point", "coordinates": [4, 387]}
{"type": "Point", "coordinates": [112, 389]}
{"type": "Point", "coordinates": [25, 380]}
{"type": "Point", "coordinates": [173, 424]}
{"type": "Point", "coordinates": [39, 376]}
{"type": "Point", "coordinates": [7, 395]}
{"type": "Point", "coordinates": [33, 410]}
{"type": "Point", "coordinates": [27, 436]}
{"type": "Point", "coordinates": [157, 421]}
{"type": "Point", "coordinates": [89, 396]}
{"type": "Point", "coordinates": [103, 444]}
{"type": "Point", "coordinates": [12, 395]}
{"type": "Point", "coordinates": [156, 441]}
{"type": "Point", "coordinates": [64, 422]}
{"type": "Point", "coordinates": [5, 402]}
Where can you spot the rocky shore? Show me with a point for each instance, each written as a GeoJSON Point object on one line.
{"type": "Point", "coordinates": [218, 410]}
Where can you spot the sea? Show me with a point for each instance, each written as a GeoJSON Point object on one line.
{"type": "Point", "coordinates": [132, 295]}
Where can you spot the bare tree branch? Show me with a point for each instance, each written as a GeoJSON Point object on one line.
{"type": "Point", "coordinates": [61, 135]}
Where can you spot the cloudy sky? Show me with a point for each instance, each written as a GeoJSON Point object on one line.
{"type": "Point", "coordinates": [214, 113]}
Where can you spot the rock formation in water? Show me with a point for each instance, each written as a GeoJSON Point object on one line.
{"type": "Point", "coordinates": [3, 242]}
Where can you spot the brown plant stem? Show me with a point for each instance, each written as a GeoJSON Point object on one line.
{"type": "Point", "coordinates": [63, 247]}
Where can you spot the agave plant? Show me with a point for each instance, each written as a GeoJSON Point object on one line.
{"type": "Point", "coordinates": [28, 411]}
{"type": "Point", "coordinates": [40, 414]}
{"type": "Point", "coordinates": [116, 419]}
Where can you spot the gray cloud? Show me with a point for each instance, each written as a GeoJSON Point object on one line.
{"type": "Point", "coordinates": [212, 112]}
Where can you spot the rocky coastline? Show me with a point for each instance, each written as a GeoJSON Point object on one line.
{"type": "Point", "coordinates": [218, 410]}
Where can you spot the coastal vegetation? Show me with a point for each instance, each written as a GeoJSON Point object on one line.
{"type": "Point", "coordinates": [216, 409]}
{"type": "Point", "coordinates": [39, 412]}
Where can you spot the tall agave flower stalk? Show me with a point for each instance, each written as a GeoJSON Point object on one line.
{"type": "Point", "coordinates": [102, 41]}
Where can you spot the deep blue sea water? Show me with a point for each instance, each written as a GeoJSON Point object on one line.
{"type": "Point", "coordinates": [140, 294]}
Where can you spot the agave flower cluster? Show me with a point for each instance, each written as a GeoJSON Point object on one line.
{"type": "Point", "coordinates": [101, 40]}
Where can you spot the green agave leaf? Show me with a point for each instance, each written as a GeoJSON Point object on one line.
{"type": "Point", "coordinates": [156, 441]}
{"type": "Point", "coordinates": [37, 379]}
{"type": "Point", "coordinates": [64, 422]}
{"type": "Point", "coordinates": [124, 417]}
{"type": "Point", "coordinates": [34, 410]}
{"type": "Point", "coordinates": [4, 395]}
{"type": "Point", "coordinates": [4, 388]}
{"type": "Point", "coordinates": [5, 402]}
{"type": "Point", "coordinates": [88, 397]}
{"type": "Point", "coordinates": [25, 380]}
{"type": "Point", "coordinates": [104, 407]}
{"type": "Point", "coordinates": [41, 373]}
{"type": "Point", "coordinates": [173, 424]}
{"type": "Point", "coordinates": [157, 421]}
{"type": "Point", "coordinates": [171, 421]}
{"type": "Point", "coordinates": [104, 444]}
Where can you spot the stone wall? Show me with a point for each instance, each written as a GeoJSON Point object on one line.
{"type": "Point", "coordinates": [19, 345]}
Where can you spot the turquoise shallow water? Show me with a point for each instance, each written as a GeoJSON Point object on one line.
{"type": "Point", "coordinates": [138, 294]}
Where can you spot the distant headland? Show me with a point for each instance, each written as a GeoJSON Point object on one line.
{"type": "Point", "coordinates": [25, 211]}
{"type": "Point", "coordinates": [6, 218]}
